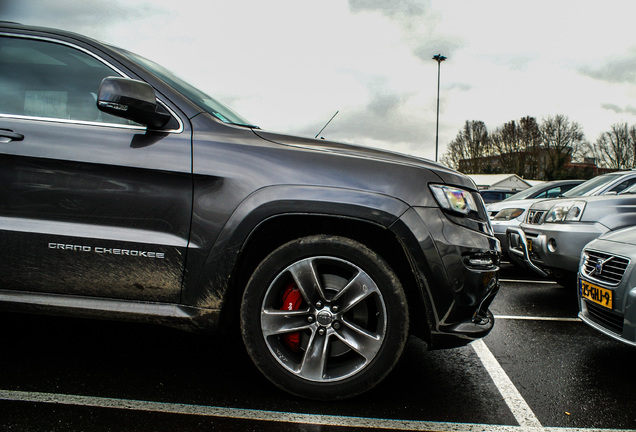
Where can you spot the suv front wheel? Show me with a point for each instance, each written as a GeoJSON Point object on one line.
{"type": "Point", "coordinates": [324, 317]}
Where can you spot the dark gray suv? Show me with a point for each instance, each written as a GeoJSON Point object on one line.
{"type": "Point", "coordinates": [128, 194]}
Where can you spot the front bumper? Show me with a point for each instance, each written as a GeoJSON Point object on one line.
{"type": "Point", "coordinates": [500, 228]}
{"type": "Point", "coordinates": [618, 323]}
{"type": "Point", "coordinates": [459, 274]}
{"type": "Point", "coordinates": [552, 246]}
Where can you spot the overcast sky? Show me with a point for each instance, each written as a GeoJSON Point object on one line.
{"type": "Point", "coordinates": [289, 65]}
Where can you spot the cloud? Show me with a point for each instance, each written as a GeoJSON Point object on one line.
{"type": "Point", "coordinates": [432, 45]}
{"type": "Point", "coordinates": [618, 110]}
{"type": "Point", "coordinates": [86, 17]}
{"type": "Point", "coordinates": [382, 119]}
{"type": "Point", "coordinates": [388, 120]}
{"type": "Point", "coordinates": [418, 22]}
{"type": "Point", "coordinates": [621, 70]}
{"type": "Point", "coordinates": [403, 8]}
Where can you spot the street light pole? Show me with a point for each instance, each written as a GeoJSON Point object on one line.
{"type": "Point", "coordinates": [439, 59]}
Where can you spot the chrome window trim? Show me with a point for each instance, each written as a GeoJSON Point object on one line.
{"type": "Point", "coordinates": [180, 129]}
{"type": "Point", "coordinates": [75, 122]}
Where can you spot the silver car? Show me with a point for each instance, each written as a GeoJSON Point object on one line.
{"type": "Point", "coordinates": [512, 211]}
{"type": "Point", "coordinates": [551, 238]}
{"type": "Point", "coordinates": [607, 285]}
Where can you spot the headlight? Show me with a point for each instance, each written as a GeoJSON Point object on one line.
{"type": "Point", "coordinates": [567, 211]}
{"type": "Point", "coordinates": [454, 199]}
{"type": "Point", "coordinates": [508, 214]}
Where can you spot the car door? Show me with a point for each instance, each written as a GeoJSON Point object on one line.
{"type": "Point", "coordinates": [90, 204]}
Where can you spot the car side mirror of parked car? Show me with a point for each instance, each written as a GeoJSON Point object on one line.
{"type": "Point", "coordinates": [131, 99]}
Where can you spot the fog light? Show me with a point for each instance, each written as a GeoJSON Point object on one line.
{"type": "Point", "coordinates": [481, 261]}
{"type": "Point", "coordinates": [552, 245]}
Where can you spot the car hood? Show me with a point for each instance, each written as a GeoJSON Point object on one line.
{"type": "Point", "coordinates": [604, 201]}
{"type": "Point", "coordinates": [625, 235]}
{"type": "Point", "coordinates": [524, 204]}
{"type": "Point", "coordinates": [445, 174]}
{"type": "Point", "coordinates": [612, 211]}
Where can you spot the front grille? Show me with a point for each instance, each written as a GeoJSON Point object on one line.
{"type": "Point", "coordinates": [605, 317]}
{"type": "Point", "coordinates": [535, 216]}
{"type": "Point", "coordinates": [604, 267]}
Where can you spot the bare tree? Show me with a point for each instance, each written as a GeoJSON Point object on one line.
{"type": "Point", "coordinates": [532, 143]}
{"type": "Point", "coordinates": [615, 148]}
{"type": "Point", "coordinates": [517, 145]}
{"type": "Point", "coordinates": [506, 142]}
{"type": "Point", "coordinates": [469, 147]}
{"type": "Point", "coordinates": [562, 140]}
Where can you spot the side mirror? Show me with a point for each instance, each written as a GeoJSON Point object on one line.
{"type": "Point", "coordinates": [131, 99]}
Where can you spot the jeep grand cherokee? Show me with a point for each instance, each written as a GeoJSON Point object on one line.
{"type": "Point", "coordinates": [128, 194]}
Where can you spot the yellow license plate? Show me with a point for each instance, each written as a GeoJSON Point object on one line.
{"type": "Point", "coordinates": [596, 294]}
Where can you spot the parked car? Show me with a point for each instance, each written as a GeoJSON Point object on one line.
{"type": "Point", "coordinates": [614, 182]}
{"type": "Point", "coordinates": [496, 195]}
{"type": "Point", "coordinates": [511, 214]}
{"type": "Point", "coordinates": [551, 238]}
{"type": "Point", "coordinates": [128, 194]}
{"type": "Point", "coordinates": [511, 211]}
{"type": "Point", "coordinates": [548, 189]}
{"type": "Point", "coordinates": [607, 281]}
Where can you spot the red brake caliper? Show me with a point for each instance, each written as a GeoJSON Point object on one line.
{"type": "Point", "coordinates": [292, 301]}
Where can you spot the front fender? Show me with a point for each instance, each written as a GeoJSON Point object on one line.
{"type": "Point", "coordinates": [616, 219]}
{"type": "Point", "coordinates": [207, 287]}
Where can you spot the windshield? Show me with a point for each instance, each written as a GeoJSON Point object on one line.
{"type": "Point", "coordinates": [202, 100]}
{"type": "Point", "coordinates": [526, 192]}
{"type": "Point", "coordinates": [588, 187]}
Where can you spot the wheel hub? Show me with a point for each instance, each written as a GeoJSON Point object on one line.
{"type": "Point", "coordinates": [324, 318]}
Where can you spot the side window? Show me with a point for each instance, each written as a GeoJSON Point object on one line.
{"type": "Point", "coordinates": [554, 192]}
{"type": "Point", "coordinates": [566, 188]}
{"type": "Point", "coordinates": [45, 79]}
{"type": "Point", "coordinates": [489, 197]}
{"type": "Point", "coordinates": [623, 185]}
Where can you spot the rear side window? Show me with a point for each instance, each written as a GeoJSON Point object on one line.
{"type": "Point", "coordinates": [49, 80]}
{"type": "Point", "coordinates": [623, 185]}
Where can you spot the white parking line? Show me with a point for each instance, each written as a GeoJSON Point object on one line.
{"type": "Point", "coordinates": [271, 416]}
{"type": "Point", "coordinates": [517, 404]}
{"type": "Point", "coordinates": [546, 282]}
{"type": "Point", "coordinates": [535, 318]}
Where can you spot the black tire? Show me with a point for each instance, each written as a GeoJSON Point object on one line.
{"type": "Point", "coordinates": [346, 292]}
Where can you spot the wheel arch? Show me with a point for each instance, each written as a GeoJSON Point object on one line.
{"type": "Point", "coordinates": [274, 215]}
{"type": "Point", "coordinates": [282, 228]}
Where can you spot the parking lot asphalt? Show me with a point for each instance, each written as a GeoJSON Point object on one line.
{"type": "Point", "coordinates": [540, 369]}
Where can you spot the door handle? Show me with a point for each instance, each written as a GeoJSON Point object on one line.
{"type": "Point", "coordinates": [7, 135]}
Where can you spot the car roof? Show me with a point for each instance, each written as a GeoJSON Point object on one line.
{"type": "Point", "coordinates": [619, 176]}
{"type": "Point", "coordinates": [39, 29]}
